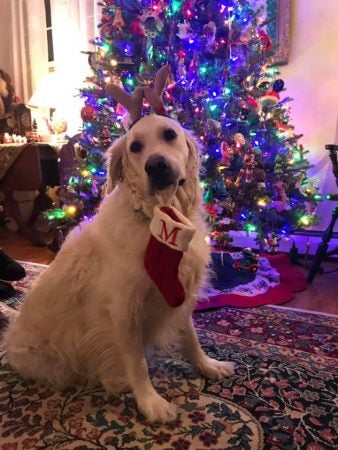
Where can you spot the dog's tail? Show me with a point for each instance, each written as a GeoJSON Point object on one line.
{"type": "Point", "coordinates": [6, 314]}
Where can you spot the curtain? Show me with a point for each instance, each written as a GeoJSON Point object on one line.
{"type": "Point", "coordinates": [74, 23]}
{"type": "Point", "coordinates": [25, 55]}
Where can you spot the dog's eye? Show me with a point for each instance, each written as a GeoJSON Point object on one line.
{"type": "Point", "coordinates": [136, 147]}
{"type": "Point", "coordinates": [169, 135]}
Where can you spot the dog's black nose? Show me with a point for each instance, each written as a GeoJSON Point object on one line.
{"type": "Point", "coordinates": [160, 172]}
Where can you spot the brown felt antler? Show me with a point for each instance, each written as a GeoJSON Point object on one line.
{"type": "Point", "coordinates": [154, 95]}
{"type": "Point", "coordinates": [132, 103]}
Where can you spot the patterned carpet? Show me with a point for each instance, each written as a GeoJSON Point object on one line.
{"type": "Point", "coordinates": [283, 395]}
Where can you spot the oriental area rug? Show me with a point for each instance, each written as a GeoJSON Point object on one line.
{"type": "Point", "coordinates": [282, 396]}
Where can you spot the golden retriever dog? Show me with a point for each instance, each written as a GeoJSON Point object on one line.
{"type": "Point", "coordinates": [94, 312]}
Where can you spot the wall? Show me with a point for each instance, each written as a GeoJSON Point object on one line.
{"type": "Point", "coordinates": [311, 78]}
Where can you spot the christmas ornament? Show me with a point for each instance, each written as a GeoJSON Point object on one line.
{"type": "Point", "coordinates": [273, 242]}
{"type": "Point", "coordinates": [88, 113]}
{"type": "Point", "coordinates": [210, 210]}
{"type": "Point", "coordinates": [265, 40]}
{"type": "Point", "coordinates": [80, 152]}
{"type": "Point", "coordinates": [247, 171]}
{"type": "Point", "coordinates": [220, 236]}
{"type": "Point", "coordinates": [171, 233]}
{"type": "Point", "coordinates": [248, 261]}
{"type": "Point", "coordinates": [269, 99]}
{"type": "Point", "coordinates": [181, 69]}
{"type": "Point", "coordinates": [239, 140]}
{"type": "Point", "coordinates": [239, 59]}
{"type": "Point", "coordinates": [184, 31]}
{"type": "Point", "coordinates": [251, 103]}
{"type": "Point", "coordinates": [278, 85]}
{"type": "Point", "coordinates": [105, 137]}
{"type": "Point", "coordinates": [213, 128]}
{"type": "Point", "coordinates": [151, 23]}
{"type": "Point", "coordinates": [136, 27]}
{"type": "Point", "coordinates": [263, 83]}
{"type": "Point", "coordinates": [118, 21]}
{"type": "Point", "coordinates": [107, 30]}
{"type": "Point", "coordinates": [283, 127]}
{"type": "Point", "coordinates": [280, 198]}
{"type": "Point", "coordinates": [192, 72]}
{"type": "Point", "coordinates": [227, 154]}
{"type": "Point", "coordinates": [209, 30]}
{"type": "Point", "coordinates": [208, 196]}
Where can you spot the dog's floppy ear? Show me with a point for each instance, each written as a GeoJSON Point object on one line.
{"type": "Point", "coordinates": [191, 185]}
{"type": "Point", "coordinates": [115, 163]}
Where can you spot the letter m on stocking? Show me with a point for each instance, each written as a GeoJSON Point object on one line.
{"type": "Point", "coordinates": [170, 236]}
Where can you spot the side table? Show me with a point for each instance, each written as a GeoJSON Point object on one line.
{"type": "Point", "coordinates": [35, 168]}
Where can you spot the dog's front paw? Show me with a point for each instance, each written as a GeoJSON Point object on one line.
{"type": "Point", "coordinates": [216, 370]}
{"type": "Point", "coordinates": [156, 409]}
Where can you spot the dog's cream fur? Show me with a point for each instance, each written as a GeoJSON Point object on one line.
{"type": "Point", "coordinates": [94, 311]}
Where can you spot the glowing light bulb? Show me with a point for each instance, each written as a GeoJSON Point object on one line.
{"type": "Point", "coordinates": [262, 202]}
{"type": "Point", "coordinates": [71, 210]}
{"type": "Point", "coordinates": [304, 220]}
{"type": "Point", "coordinates": [105, 48]}
{"type": "Point", "coordinates": [251, 227]}
{"type": "Point", "coordinates": [202, 70]}
{"type": "Point", "coordinates": [175, 6]}
{"type": "Point", "coordinates": [130, 81]}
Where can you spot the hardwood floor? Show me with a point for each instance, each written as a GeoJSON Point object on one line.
{"type": "Point", "coordinates": [22, 249]}
{"type": "Point", "coordinates": [321, 295]}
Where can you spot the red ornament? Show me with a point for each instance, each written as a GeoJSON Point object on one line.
{"type": "Point", "coordinates": [269, 99]}
{"type": "Point", "coordinates": [251, 103]}
{"type": "Point", "coordinates": [227, 154]}
{"type": "Point", "coordinates": [137, 28]}
{"type": "Point", "coordinates": [265, 40]}
{"type": "Point", "coordinates": [88, 113]}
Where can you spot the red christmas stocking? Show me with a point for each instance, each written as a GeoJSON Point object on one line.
{"type": "Point", "coordinates": [171, 234]}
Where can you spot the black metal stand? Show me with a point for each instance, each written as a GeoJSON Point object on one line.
{"type": "Point", "coordinates": [322, 252]}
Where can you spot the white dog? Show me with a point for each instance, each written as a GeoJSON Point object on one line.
{"type": "Point", "coordinates": [94, 311]}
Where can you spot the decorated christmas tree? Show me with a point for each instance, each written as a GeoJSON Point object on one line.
{"type": "Point", "coordinates": [223, 88]}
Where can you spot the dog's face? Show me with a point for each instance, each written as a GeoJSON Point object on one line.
{"type": "Point", "coordinates": [159, 154]}
{"type": "Point", "coordinates": [156, 147]}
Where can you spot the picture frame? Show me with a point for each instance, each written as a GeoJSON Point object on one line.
{"type": "Point", "coordinates": [278, 17]}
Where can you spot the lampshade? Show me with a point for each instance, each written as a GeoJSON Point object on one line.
{"type": "Point", "coordinates": [55, 90]}
{"type": "Point", "coordinates": [49, 93]}
{"type": "Point", "coordinates": [59, 91]}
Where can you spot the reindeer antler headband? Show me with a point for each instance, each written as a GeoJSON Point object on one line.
{"type": "Point", "coordinates": [134, 103]}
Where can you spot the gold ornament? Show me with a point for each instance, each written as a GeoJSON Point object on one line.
{"type": "Point", "coordinates": [118, 21]}
{"type": "Point", "coordinates": [239, 139]}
